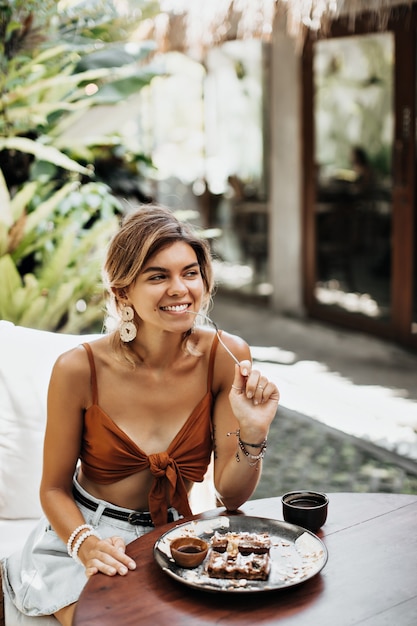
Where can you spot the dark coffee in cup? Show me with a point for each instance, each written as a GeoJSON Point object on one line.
{"type": "Point", "coordinates": [305, 502]}
{"type": "Point", "coordinates": [305, 508]}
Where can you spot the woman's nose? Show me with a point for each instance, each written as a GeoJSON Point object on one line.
{"type": "Point", "coordinates": [177, 286]}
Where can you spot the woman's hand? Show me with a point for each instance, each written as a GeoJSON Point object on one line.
{"type": "Point", "coordinates": [254, 400]}
{"type": "Point", "coordinates": [107, 556]}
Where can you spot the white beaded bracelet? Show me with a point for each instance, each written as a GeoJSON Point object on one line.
{"type": "Point", "coordinates": [74, 534]}
{"type": "Point", "coordinates": [80, 541]}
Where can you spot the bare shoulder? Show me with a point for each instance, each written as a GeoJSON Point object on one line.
{"type": "Point", "coordinates": [236, 345]}
{"type": "Point", "coordinates": [70, 382]}
{"type": "Point", "coordinates": [73, 364]}
{"type": "Point", "coordinates": [231, 349]}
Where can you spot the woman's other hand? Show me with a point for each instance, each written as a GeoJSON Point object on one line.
{"type": "Point", "coordinates": [106, 556]}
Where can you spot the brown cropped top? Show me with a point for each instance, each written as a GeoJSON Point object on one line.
{"type": "Point", "coordinates": [108, 454]}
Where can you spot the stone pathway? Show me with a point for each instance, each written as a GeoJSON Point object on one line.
{"type": "Point", "coordinates": [304, 454]}
{"type": "Point", "coordinates": [374, 413]}
{"type": "Point", "coordinates": [347, 419]}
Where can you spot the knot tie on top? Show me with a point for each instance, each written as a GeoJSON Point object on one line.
{"type": "Point", "coordinates": [168, 486]}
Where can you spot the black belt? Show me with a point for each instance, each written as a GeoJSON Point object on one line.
{"type": "Point", "coordinates": [136, 518]}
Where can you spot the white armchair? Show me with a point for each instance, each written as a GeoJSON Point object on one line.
{"type": "Point", "coordinates": [26, 360]}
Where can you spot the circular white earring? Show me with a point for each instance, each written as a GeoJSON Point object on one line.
{"type": "Point", "coordinates": [127, 330]}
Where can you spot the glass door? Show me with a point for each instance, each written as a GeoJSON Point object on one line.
{"type": "Point", "coordinates": [353, 127]}
{"type": "Point", "coordinates": [359, 179]}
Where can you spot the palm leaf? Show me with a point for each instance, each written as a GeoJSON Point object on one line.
{"type": "Point", "coordinates": [38, 112]}
{"type": "Point", "coordinates": [31, 239]}
{"type": "Point", "coordinates": [96, 238]}
{"type": "Point", "coordinates": [117, 90]}
{"type": "Point", "coordinates": [59, 304]}
{"type": "Point", "coordinates": [6, 215]}
{"type": "Point", "coordinates": [54, 268]}
{"type": "Point", "coordinates": [116, 55]}
{"type": "Point", "coordinates": [63, 79]}
{"type": "Point", "coordinates": [4, 238]}
{"type": "Point", "coordinates": [43, 153]}
{"type": "Point", "coordinates": [34, 314]}
{"type": "Point", "coordinates": [23, 197]}
{"type": "Point", "coordinates": [10, 282]}
{"type": "Point", "coordinates": [80, 322]}
{"type": "Point", "coordinates": [23, 296]}
{"type": "Point", "coordinates": [44, 210]}
{"type": "Point", "coordinates": [38, 60]}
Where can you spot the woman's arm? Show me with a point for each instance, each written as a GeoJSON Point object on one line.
{"type": "Point", "coordinates": [245, 405]}
{"type": "Point", "coordinates": [68, 396]}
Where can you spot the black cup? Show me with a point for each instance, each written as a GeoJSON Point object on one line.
{"type": "Point", "coordinates": [305, 508]}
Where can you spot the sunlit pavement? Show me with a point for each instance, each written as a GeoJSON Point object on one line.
{"type": "Point", "coordinates": [344, 388]}
{"type": "Point", "coordinates": [373, 413]}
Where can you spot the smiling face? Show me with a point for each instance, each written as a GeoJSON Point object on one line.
{"type": "Point", "coordinates": [169, 284]}
{"type": "Point", "coordinates": [150, 239]}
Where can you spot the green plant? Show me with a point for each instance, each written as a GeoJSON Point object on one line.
{"type": "Point", "coordinates": [50, 75]}
{"type": "Point", "coordinates": [55, 215]}
{"type": "Point", "coordinates": [50, 259]}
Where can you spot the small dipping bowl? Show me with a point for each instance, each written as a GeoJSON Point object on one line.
{"type": "Point", "coordinates": [305, 508]}
{"type": "Point", "coordinates": [188, 551]}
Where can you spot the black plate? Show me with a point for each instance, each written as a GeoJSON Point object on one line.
{"type": "Point", "coordinates": [296, 554]}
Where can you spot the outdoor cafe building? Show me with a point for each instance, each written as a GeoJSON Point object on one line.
{"type": "Point", "coordinates": [328, 228]}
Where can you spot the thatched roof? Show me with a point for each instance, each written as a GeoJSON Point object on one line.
{"type": "Point", "coordinates": [193, 26]}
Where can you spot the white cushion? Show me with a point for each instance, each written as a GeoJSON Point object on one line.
{"type": "Point", "coordinates": [26, 360]}
{"type": "Point", "coordinates": [13, 534]}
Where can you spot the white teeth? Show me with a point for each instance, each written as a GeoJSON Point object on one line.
{"type": "Point", "coordinates": [178, 307]}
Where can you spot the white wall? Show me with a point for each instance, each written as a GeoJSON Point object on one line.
{"type": "Point", "coordinates": [285, 176]}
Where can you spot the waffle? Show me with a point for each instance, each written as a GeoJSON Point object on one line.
{"type": "Point", "coordinates": [239, 556]}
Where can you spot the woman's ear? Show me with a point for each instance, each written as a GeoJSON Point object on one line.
{"type": "Point", "coordinates": [119, 294]}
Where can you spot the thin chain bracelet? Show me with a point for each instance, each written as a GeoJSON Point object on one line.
{"type": "Point", "coordinates": [253, 459]}
{"type": "Point", "coordinates": [74, 534]}
{"type": "Point", "coordinates": [261, 445]}
{"type": "Point", "coordinates": [80, 541]}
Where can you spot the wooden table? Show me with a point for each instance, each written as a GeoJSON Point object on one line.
{"type": "Point", "coordinates": [369, 579]}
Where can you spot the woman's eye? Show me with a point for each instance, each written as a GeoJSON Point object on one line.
{"type": "Point", "coordinates": [192, 273]}
{"type": "Point", "coordinates": [157, 277]}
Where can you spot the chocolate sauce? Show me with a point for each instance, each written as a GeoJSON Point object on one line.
{"type": "Point", "coordinates": [190, 549]}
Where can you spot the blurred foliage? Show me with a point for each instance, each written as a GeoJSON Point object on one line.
{"type": "Point", "coordinates": [353, 100]}
{"type": "Point", "coordinates": [50, 258]}
{"type": "Point", "coordinates": [57, 60]}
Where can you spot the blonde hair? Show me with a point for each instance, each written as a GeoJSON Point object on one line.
{"type": "Point", "coordinates": [142, 234]}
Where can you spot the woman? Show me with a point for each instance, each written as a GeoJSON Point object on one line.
{"type": "Point", "coordinates": [134, 417]}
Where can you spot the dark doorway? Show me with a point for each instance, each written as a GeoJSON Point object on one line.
{"type": "Point", "coordinates": [359, 165]}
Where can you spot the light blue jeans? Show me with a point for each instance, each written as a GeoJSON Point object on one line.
{"type": "Point", "coordinates": [41, 578]}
